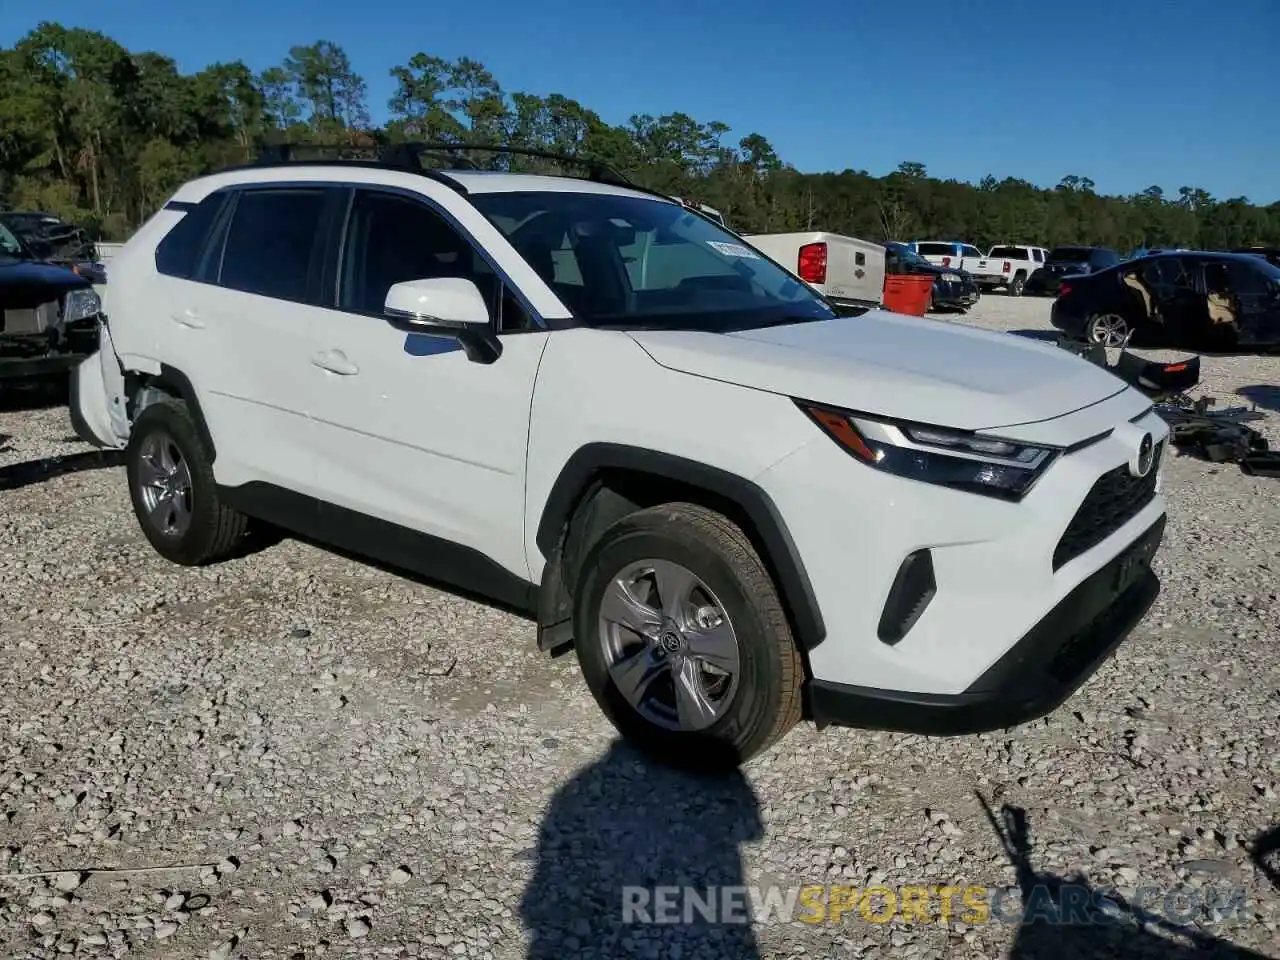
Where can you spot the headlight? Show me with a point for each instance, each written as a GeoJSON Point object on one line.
{"type": "Point", "coordinates": [951, 277]}
{"type": "Point", "coordinates": [80, 305]}
{"type": "Point", "coordinates": [962, 460]}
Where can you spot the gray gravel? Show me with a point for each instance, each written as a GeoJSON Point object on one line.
{"type": "Point", "coordinates": [296, 755]}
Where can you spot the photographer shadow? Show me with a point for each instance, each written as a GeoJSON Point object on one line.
{"type": "Point", "coordinates": [1069, 919]}
{"type": "Point", "coordinates": [620, 829]}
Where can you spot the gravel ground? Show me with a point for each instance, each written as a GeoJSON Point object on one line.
{"type": "Point", "coordinates": [294, 755]}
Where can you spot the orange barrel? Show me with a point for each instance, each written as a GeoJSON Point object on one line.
{"type": "Point", "coordinates": [907, 293]}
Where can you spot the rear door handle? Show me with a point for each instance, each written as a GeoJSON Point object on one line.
{"type": "Point", "coordinates": [188, 318]}
{"type": "Point", "coordinates": [335, 361]}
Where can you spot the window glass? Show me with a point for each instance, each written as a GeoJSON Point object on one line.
{"type": "Point", "coordinates": [968, 251]}
{"type": "Point", "coordinates": [176, 253]}
{"type": "Point", "coordinates": [935, 250]}
{"type": "Point", "coordinates": [10, 245]}
{"type": "Point", "coordinates": [393, 238]}
{"type": "Point", "coordinates": [1173, 272]}
{"type": "Point", "coordinates": [1245, 279]}
{"type": "Point", "coordinates": [1008, 253]}
{"type": "Point", "coordinates": [1038, 255]}
{"type": "Point", "coordinates": [270, 242]}
{"type": "Point", "coordinates": [623, 260]}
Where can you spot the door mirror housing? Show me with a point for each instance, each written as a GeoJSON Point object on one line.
{"type": "Point", "coordinates": [444, 307]}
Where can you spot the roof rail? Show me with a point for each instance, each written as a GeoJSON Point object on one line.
{"type": "Point", "coordinates": [407, 157]}
{"type": "Point", "coordinates": [596, 169]}
{"type": "Point", "coordinates": [395, 156]}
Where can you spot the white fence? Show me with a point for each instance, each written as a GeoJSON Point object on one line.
{"type": "Point", "coordinates": [107, 250]}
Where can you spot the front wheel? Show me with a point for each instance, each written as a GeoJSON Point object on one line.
{"type": "Point", "coordinates": [1108, 329]}
{"type": "Point", "coordinates": [682, 638]}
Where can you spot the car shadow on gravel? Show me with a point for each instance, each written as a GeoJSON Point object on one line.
{"type": "Point", "coordinates": [1048, 336]}
{"type": "Point", "coordinates": [1070, 919]}
{"type": "Point", "coordinates": [1262, 394]}
{"type": "Point", "coordinates": [15, 475]}
{"type": "Point", "coordinates": [19, 396]}
{"type": "Point", "coordinates": [620, 831]}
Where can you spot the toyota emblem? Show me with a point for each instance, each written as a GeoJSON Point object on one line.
{"type": "Point", "coordinates": [1146, 455]}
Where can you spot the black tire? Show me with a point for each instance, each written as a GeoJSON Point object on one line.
{"type": "Point", "coordinates": [215, 532]}
{"type": "Point", "coordinates": [1017, 284]}
{"type": "Point", "coordinates": [767, 701]}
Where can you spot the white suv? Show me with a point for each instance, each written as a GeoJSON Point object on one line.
{"type": "Point", "coordinates": [585, 402]}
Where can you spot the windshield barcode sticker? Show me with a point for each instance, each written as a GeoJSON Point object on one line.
{"type": "Point", "coordinates": [733, 249]}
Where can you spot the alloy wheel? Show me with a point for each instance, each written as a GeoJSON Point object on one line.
{"type": "Point", "coordinates": [1109, 330]}
{"type": "Point", "coordinates": [671, 649]}
{"type": "Point", "coordinates": [164, 484]}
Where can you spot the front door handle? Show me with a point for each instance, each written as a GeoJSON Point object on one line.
{"type": "Point", "coordinates": [335, 361]}
{"type": "Point", "coordinates": [188, 318]}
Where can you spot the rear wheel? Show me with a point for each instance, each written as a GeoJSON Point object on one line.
{"type": "Point", "coordinates": [173, 491]}
{"type": "Point", "coordinates": [1017, 284]}
{"type": "Point", "coordinates": [682, 638]}
{"type": "Point", "coordinates": [1108, 329]}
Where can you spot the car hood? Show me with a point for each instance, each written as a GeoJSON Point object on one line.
{"type": "Point", "coordinates": [36, 273]}
{"type": "Point", "coordinates": [897, 366]}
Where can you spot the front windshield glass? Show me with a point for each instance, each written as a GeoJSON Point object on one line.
{"type": "Point", "coordinates": [631, 262]}
{"type": "Point", "coordinates": [10, 245]}
{"type": "Point", "coordinates": [909, 256]}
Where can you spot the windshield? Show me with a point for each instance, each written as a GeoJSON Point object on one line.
{"type": "Point", "coordinates": [1069, 254]}
{"type": "Point", "coordinates": [10, 245]}
{"type": "Point", "coordinates": [909, 256]}
{"type": "Point", "coordinates": [624, 261]}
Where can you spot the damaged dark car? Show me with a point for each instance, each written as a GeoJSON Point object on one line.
{"type": "Point", "coordinates": [55, 240]}
{"type": "Point", "coordinates": [48, 314]}
{"type": "Point", "coordinates": [1200, 301]}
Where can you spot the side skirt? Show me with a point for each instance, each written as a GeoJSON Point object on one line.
{"type": "Point", "coordinates": [365, 539]}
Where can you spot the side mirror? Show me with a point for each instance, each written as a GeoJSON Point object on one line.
{"type": "Point", "coordinates": [444, 307]}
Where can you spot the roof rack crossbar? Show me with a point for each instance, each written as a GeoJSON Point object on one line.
{"type": "Point", "coordinates": [597, 169]}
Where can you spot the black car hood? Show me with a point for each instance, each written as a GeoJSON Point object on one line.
{"type": "Point", "coordinates": [36, 273]}
{"type": "Point", "coordinates": [28, 283]}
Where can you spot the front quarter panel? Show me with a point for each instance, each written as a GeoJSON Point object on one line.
{"type": "Point", "coordinates": [598, 386]}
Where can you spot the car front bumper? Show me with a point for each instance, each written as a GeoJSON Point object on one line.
{"type": "Point", "coordinates": [1038, 673]}
{"type": "Point", "coordinates": [50, 353]}
{"type": "Point", "coordinates": [955, 295]}
{"type": "Point", "coordinates": [1005, 576]}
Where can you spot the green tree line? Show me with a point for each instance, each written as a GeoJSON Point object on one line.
{"type": "Point", "coordinates": [101, 135]}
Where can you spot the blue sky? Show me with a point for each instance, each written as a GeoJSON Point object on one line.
{"type": "Point", "coordinates": [1127, 92]}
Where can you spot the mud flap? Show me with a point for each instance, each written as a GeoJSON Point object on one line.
{"type": "Point", "coordinates": [97, 402]}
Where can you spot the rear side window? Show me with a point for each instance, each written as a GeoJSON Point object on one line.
{"type": "Point", "coordinates": [270, 242]}
{"type": "Point", "coordinates": [1008, 253]}
{"type": "Point", "coordinates": [935, 250]}
{"type": "Point", "coordinates": [177, 253]}
{"type": "Point", "coordinates": [1245, 279]}
{"type": "Point", "coordinates": [1038, 255]}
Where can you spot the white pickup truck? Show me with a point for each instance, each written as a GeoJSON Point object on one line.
{"type": "Point", "coordinates": [1007, 267]}
{"type": "Point", "coordinates": [846, 270]}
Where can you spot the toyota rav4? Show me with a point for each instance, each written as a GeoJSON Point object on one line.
{"type": "Point", "coordinates": [740, 505]}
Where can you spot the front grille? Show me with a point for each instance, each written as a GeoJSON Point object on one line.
{"type": "Point", "coordinates": [1115, 499]}
{"type": "Point", "coordinates": [32, 320]}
